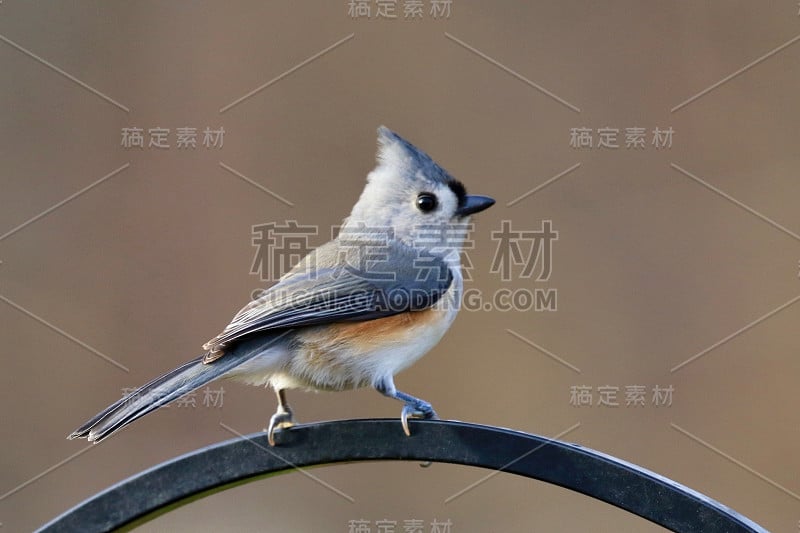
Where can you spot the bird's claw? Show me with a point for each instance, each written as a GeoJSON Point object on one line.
{"type": "Point", "coordinates": [421, 410]}
{"type": "Point", "coordinates": [280, 420]}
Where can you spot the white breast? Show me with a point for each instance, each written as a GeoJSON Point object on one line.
{"type": "Point", "coordinates": [345, 356]}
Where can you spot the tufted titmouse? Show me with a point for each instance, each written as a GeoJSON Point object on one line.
{"type": "Point", "coordinates": [352, 313]}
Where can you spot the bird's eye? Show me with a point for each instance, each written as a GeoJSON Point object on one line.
{"type": "Point", "coordinates": [427, 202]}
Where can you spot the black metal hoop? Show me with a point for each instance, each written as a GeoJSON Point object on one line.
{"type": "Point", "coordinates": [208, 470]}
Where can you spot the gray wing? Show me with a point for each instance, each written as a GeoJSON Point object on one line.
{"type": "Point", "coordinates": [373, 281]}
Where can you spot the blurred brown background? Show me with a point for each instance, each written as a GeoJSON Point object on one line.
{"type": "Point", "coordinates": [651, 267]}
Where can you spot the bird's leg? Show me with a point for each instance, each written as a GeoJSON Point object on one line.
{"type": "Point", "coordinates": [282, 419]}
{"type": "Point", "coordinates": [413, 407]}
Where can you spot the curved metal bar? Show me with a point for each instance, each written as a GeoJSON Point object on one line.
{"type": "Point", "coordinates": [208, 470]}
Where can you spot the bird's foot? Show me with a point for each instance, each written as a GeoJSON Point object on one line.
{"type": "Point", "coordinates": [417, 409]}
{"type": "Point", "coordinates": [282, 419]}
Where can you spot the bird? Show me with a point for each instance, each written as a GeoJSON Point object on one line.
{"type": "Point", "coordinates": [353, 312]}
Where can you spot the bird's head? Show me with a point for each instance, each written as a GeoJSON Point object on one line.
{"type": "Point", "coordinates": [419, 201]}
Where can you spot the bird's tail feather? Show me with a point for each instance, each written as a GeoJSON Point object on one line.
{"type": "Point", "coordinates": [161, 391]}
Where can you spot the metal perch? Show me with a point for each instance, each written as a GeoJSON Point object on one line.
{"type": "Point", "coordinates": [214, 468]}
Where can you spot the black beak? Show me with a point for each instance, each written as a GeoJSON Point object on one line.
{"type": "Point", "coordinates": [474, 204]}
